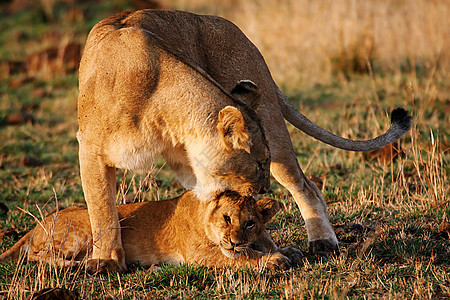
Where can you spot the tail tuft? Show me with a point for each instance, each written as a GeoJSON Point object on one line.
{"type": "Point", "coordinates": [400, 117]}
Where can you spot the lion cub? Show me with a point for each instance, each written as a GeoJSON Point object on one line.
{"type": "Point", "coordinates": [228, 231]}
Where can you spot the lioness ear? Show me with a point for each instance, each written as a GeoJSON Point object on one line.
{"type": "Point", "coordinates": [233, 130]}
{"type": "Point", "coordinates": [248, 92]}
{"type": "Point", "coordinates": [268, 208]}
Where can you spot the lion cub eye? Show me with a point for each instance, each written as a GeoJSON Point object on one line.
{"type": "Point", "coordinates": [227, 219]}
{"type": "Point", "coordinates": [249, 224]}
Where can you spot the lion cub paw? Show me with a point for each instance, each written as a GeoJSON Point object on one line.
{"type": "Point", "coordinates": [295, 256]}
{"type": "Point", "coordinates": [102, 266]}
{"type": "Point", "coordinates": [278, 261]}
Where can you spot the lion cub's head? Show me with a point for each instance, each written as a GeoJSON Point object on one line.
{"type": "Point", "coordinates": [235, 222]}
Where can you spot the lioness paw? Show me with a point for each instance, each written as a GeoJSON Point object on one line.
{"type": "Point", "coordinates": [102, 266]}
{"type": "Point", "coordinates": [324, 247]}
{"type": "Point", "coordinates": [278, 261]}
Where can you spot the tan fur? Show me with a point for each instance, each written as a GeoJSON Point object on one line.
{"type": "Point", "coordinates": [165, 82]}
{"type": "Point", "coordinates": [180, 230]}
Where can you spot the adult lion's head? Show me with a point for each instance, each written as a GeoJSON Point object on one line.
{"type": "Point", "coordinates": [240, 160]}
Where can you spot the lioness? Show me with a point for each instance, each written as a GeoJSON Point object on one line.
{"type": "Point", "coordinates": [227, 231]}
{"type": "Point", "coordinates": [156, 82]}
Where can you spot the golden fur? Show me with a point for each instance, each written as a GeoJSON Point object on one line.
{"type": "Point", "coordinates": [227, 231]}
{"type": "Point", "coordinates": [195, 90]}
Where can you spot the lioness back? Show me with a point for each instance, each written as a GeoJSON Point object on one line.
{"type": "Point", "coordinates": [207, 43]}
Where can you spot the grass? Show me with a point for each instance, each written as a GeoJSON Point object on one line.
{"type": "Point", "coordinates": [345, 65]}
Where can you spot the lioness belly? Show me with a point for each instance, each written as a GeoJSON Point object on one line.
{"type": "Point", "coordinates": [134, 152]}
{"type": "Point", "coordinates": [134, 159]}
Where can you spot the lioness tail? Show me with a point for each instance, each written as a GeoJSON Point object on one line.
{"type": "Point", "coordinates": [400, 123]}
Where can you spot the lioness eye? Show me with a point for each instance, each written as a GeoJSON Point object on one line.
{"type": "Point", "coordinates": [227, 219]}
{"type": "Point", "coordinates": [250, 224]}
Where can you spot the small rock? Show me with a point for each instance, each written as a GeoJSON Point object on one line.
{"type": "Point", "coordinates": [75, 15]}
{"type": "Point", "coordinates": [9, 68]}
{"type": "Point", "coordinates": [55, 294]}
{"type": "Point", "coordinates": [39, 93]}
{"type": "Point", "coordinates": [18, 82]}
{"type": "Point", "coordinates": [70, 55]}
{"type": "Point", "coordinates": [29, 161]}
{"type": "Point", "coordinates": [18, 5]}
{"type": "Point", "coordinates": [445, 228]}
{"type": "Point", "coordinates": [30, 107]}
{"type": "Point", "coordinates": [43, 63]}
{"type": "Point", "coordinates": [20, 35]}
{"type": "Point", "coordinates": [54, 61]}
{"type": "Point", "coordinates": [352, 228]}
{"type": "Point", "coordinates": [19, 118]}
{"type": "Point", "coordinates": [339, 170]}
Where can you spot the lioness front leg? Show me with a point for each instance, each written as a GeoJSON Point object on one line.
{"type": "Point", "coordinates": [99, 184]}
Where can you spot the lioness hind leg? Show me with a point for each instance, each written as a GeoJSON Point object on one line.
{"type": "Point", "coordinates": [99, 182]}
{"type": "Point", "coordinates": [285, 169]}
{"type": "Point", "coordinates": [321, 236]}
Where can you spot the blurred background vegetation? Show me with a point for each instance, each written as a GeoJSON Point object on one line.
{"type": "Point", "coordinates": [305, 42]}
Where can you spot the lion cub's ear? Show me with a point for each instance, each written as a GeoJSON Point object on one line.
{"type": "Point", "coordinates": [233, 130]}
{"type": "Point", "coordinates": [247, 91]}
{"type": "Point", "coordinates": [268, 208]}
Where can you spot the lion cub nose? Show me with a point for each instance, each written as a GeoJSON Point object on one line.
{"type": "Point", "coordinates": [235, 243]}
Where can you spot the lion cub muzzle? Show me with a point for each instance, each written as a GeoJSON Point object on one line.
{"type": "Point", "coordinates": [234, 247]}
